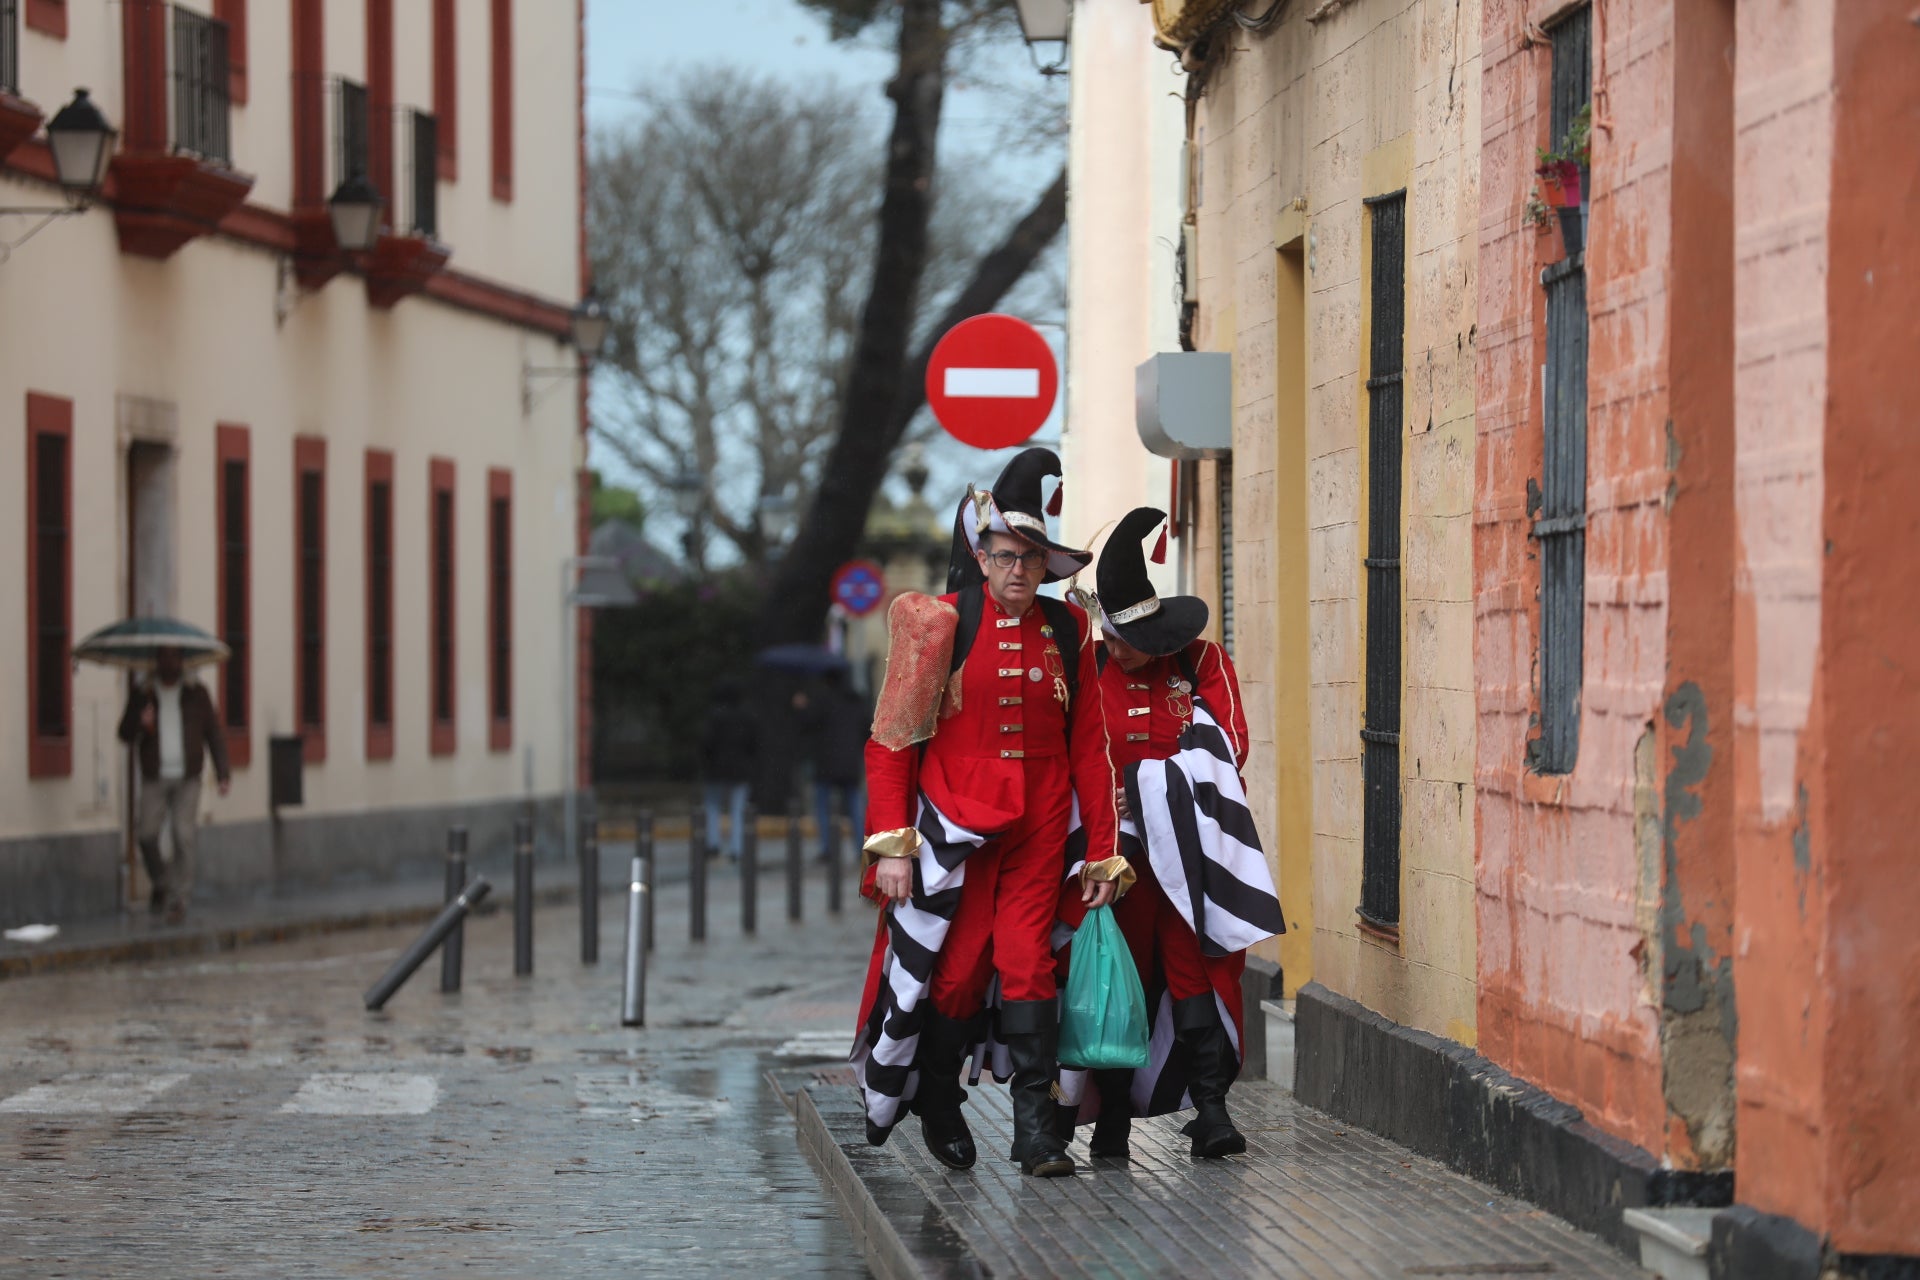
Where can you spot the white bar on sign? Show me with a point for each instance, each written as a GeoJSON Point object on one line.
{"type": "Point", "coordinates": [998, 384]}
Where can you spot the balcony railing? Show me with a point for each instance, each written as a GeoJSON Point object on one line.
{"type": "Point", "coordinates": [202, 105]}
{"type": "Point", "coordinates": [417, 204]}
{"type": "Point", "coordinates": [9, 46]}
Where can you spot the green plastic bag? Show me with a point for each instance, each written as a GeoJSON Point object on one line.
{"type": "Point", "coordinates": [1104, 1023]}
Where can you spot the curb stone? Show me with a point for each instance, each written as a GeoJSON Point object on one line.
{"type": "Point", "coordinates": [902, 1232]}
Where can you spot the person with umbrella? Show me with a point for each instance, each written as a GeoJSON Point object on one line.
{"type": "Point", "coordinates": [172, 725]}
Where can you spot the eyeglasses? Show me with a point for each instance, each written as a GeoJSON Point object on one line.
{"type": "Point", "coordinates": [1027, 559]}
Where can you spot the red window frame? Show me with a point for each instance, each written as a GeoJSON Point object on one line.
{"type": "Point", "coordinates": [232, 444]}
{"type": "Point", "coordinates": [234, 14]}
{"type": "Point", "coordinates": [446, 86]}
{"type": "Point", "coordinates": [310, 616]}
{"type": "Point", "coordinates": [499, 609]}
{"type": "Point", "coordinates": [309, 104]}
{"type": "Point", "coordinates": [380, 166]}
{"type": "Point", "coordinates": [379, 606]}
{"type": "Point", "coordinates": [49, 755]}
{"type": "Point", "coordinates": [49, 17]}
{"type": "Point", "coordinates": [502, 68]}
{"type": "Point", "coordinates": [443, 629]}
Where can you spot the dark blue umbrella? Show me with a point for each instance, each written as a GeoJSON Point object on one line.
{"type": "Point", "coordinates": [802, 659]}
{"type": "Point", "coordinates": [136, 643]}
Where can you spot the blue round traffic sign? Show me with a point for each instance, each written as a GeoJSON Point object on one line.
{"type": "Point", "coordinates": [858, 587]}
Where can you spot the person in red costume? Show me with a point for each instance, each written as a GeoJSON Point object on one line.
{"type": "Point", "coordinates": [1154, 667]}
{"type": "Point", "coordinates": [973, 773]}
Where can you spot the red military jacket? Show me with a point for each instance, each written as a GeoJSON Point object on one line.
{"type": "Point", "coordinates": [974, 767]}
{"type": "Point", "coordinates": [1148, 710]}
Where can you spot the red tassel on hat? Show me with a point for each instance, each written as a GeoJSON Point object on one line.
{"type": "Point", "coordinates": [1053, 503]}
{"type": "Point", "coordinates": [1160, 547]}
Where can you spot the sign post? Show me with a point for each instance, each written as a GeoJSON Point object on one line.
{"type": "Point", "coordinates": [992, 381]}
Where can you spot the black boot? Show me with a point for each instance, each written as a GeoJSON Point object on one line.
{"type": "Point", "coordinates": [943, 1043]}
{"type": "Point", "coordinates": [1115, 1125]}
{"type": "Point", "coordinates": [1031, 1030]}
{"type": "Point", "coordinates": [1213, 1065]}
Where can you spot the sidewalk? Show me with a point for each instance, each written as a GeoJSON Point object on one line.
{"type": "Point", "coordinates": [135, 937]}
{"type": "Point", "coordinates": [1313, 1198]}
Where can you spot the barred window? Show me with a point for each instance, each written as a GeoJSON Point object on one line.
{"type": "Point", "coordinates": [310, 570]}
{"type": "Point", "coordinates": [500, 609]}
{"type": "Point", "coordinates": [379, 604]}
{"type": "Point", "coordinates": [442, 621]}
{"type": "Point", "coordinates": [202, 86]}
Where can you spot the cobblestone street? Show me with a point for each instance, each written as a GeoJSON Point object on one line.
{"type": "Point", "coordinates": [245, 1116]}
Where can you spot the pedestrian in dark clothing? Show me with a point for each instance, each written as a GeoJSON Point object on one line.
{"type": "Point", "coordinates": [729, 752]}
{"type": "Point", "coordinates": [172, 724]}
{"type": "Point", "coordinates": [837, 720]}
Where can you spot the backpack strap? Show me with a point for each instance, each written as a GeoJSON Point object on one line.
{"type": "Point", "coordinates": [971, 603]}
{"type": "Point", "coordinates": [1189, 669]}
{"type": "Point", "coordinates": [1100, 660]}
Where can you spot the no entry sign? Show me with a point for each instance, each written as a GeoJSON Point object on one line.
{"type": "Point", "coordinates": [858, 586]}
{"type": "Point", "coordinates": [992, 381]}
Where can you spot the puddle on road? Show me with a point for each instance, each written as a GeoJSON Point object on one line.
{"type": "Point", "coordinates": [629, 1094]}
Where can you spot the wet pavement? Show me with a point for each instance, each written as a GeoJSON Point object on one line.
{"type": "Point", "coordinates": [242, 1115]}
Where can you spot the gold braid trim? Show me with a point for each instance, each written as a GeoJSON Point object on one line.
{"type": "Point", "coordinates": [1117, 869]}
{"type": "Point", "coordinates": [901, 842]}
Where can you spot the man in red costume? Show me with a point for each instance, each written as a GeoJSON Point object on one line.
{"type": "Point", "coordinates": [1154, 670]}
{"type": "Point", "coordinates": [988, 731]}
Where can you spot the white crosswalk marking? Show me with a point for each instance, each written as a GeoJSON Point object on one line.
{"type": "Point", "coordinates": [110, 1093]}
{"type": "Point", "coordinates": [350, 1093]}
{"type": "Point", "coordinates": [813, 1046]}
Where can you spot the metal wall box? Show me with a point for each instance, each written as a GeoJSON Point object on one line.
{"type": "Point", "coordinates": [286, 770]}
{"type": "Point", "coordinates": [1183, 404]}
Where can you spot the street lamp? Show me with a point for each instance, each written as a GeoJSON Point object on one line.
{"type": "Point", "coordinates": [1046, 22]}
{"type": "Point", "coordinates": [82, 144]}
{"type": "Point", "coordinates": [354, 209]}
{"type": "Point", "coordinates": [777, 511]}
{"type": "Point", "coordinates": [587, 327]}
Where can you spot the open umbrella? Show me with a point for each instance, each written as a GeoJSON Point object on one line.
{"type": "Point", "coordinates": [135, 643]}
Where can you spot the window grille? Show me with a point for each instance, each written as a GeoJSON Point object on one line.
{"type": "Point", "coordinates": [380, 602]}
{"type": "Point", "coordinates": [1225, 475]}
{"type": "Point", "coordinates": [50, 541]}
{"type": "Point", "coordinates": [1562, 521]}
{"type": "Point", "coordinates": [443, 605]}
{"type": "Point", "coordinates": [233, 622]}
{"type": "Point", "coordinates": [418, 142]}
{"type": "Point", "coordinates": [1380, 731]}
{"type": "Point", "coordinates": [202, 86]}
{"type": "Point", "coordinates": [312, 586]}
{"type": "Point", "coordinates": [10, 46]}
{"type": "Point", "coordinates": [350, 158]}
{"type": "Point", "coordinates": [500, 531]}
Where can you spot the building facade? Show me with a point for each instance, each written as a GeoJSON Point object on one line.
{"type": "Point", "coordinates": [351, 467]}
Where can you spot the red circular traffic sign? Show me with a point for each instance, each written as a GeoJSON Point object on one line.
{"type": "Point", "coordinates": [858, 587]}
{"type": "Point", "coordinates": [991, 381]}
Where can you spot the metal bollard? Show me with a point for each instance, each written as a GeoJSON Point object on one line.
{"type": "Point", "coordinates": [523, 896]}
{"type": "Point", "coordinates": [833, 866]}
{"type": "Point", "coordinates": [796, 862]}
{"type": "Point", "coordinates": [643, 849]}
{"type": "Point", "coordinates": [589, 884]}
{"type": "Point", "coordinates": [452, 951]}
{"type": "Point", "coordinates": [633, 991]}
{"type": "Point", "coordinates": [417, 952]}
{"type": "Point", "coordinates": [750, 872]}
{"type": "Point", "coordinates": [697, 876]}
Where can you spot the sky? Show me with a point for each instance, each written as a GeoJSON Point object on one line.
{"type": "Point", "coordinates": [631, 43]}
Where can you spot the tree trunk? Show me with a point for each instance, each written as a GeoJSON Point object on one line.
{"type": "Point", "coordinates": [870, 427]}
{"type": "Point", "coordinates": [797, 605]}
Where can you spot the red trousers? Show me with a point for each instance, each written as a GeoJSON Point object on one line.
{"type": "Point", "coordinates": [1008, 901]}
{"type": "Point", "coordinates": [1157, 935]}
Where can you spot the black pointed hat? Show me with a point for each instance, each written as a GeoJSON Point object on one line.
{"type": "Point", "coordinates": [1129, 606]}
{"type": "Point", "coordinates": [1012, 506]}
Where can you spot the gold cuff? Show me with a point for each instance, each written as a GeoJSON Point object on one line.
{"type": "Point", "coordinates": [1117, 869]}
{"type": "Point", "coordinates": [901, 842]}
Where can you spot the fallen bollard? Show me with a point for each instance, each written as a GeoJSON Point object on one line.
{"type": "Point", "coordinates": [697, 877]}
{"type": "Point", "coordinates": [643, 848]}
{"type": "Point", "coordinates": [453, 949]}
{"type": "Point", "coordinates": [633, 992]}
{"type": "Point", "coordinates": [750, 872]}
{"type": "Point", "coordinates": [523, 896]}
{"type": "Point", "coordinates": [796, 863]}
{"type": "Point", "coordinates": [436, 933]}
{"type": "Point", "coordinates": [589, 885]}
{"type": "Point", "coordinates": [834, 848]}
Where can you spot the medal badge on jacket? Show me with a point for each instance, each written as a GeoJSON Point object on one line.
{"type": "Point", "coordinates": [1056, 666]}
{"type": "Point", "coordinates": [1180, 699]}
